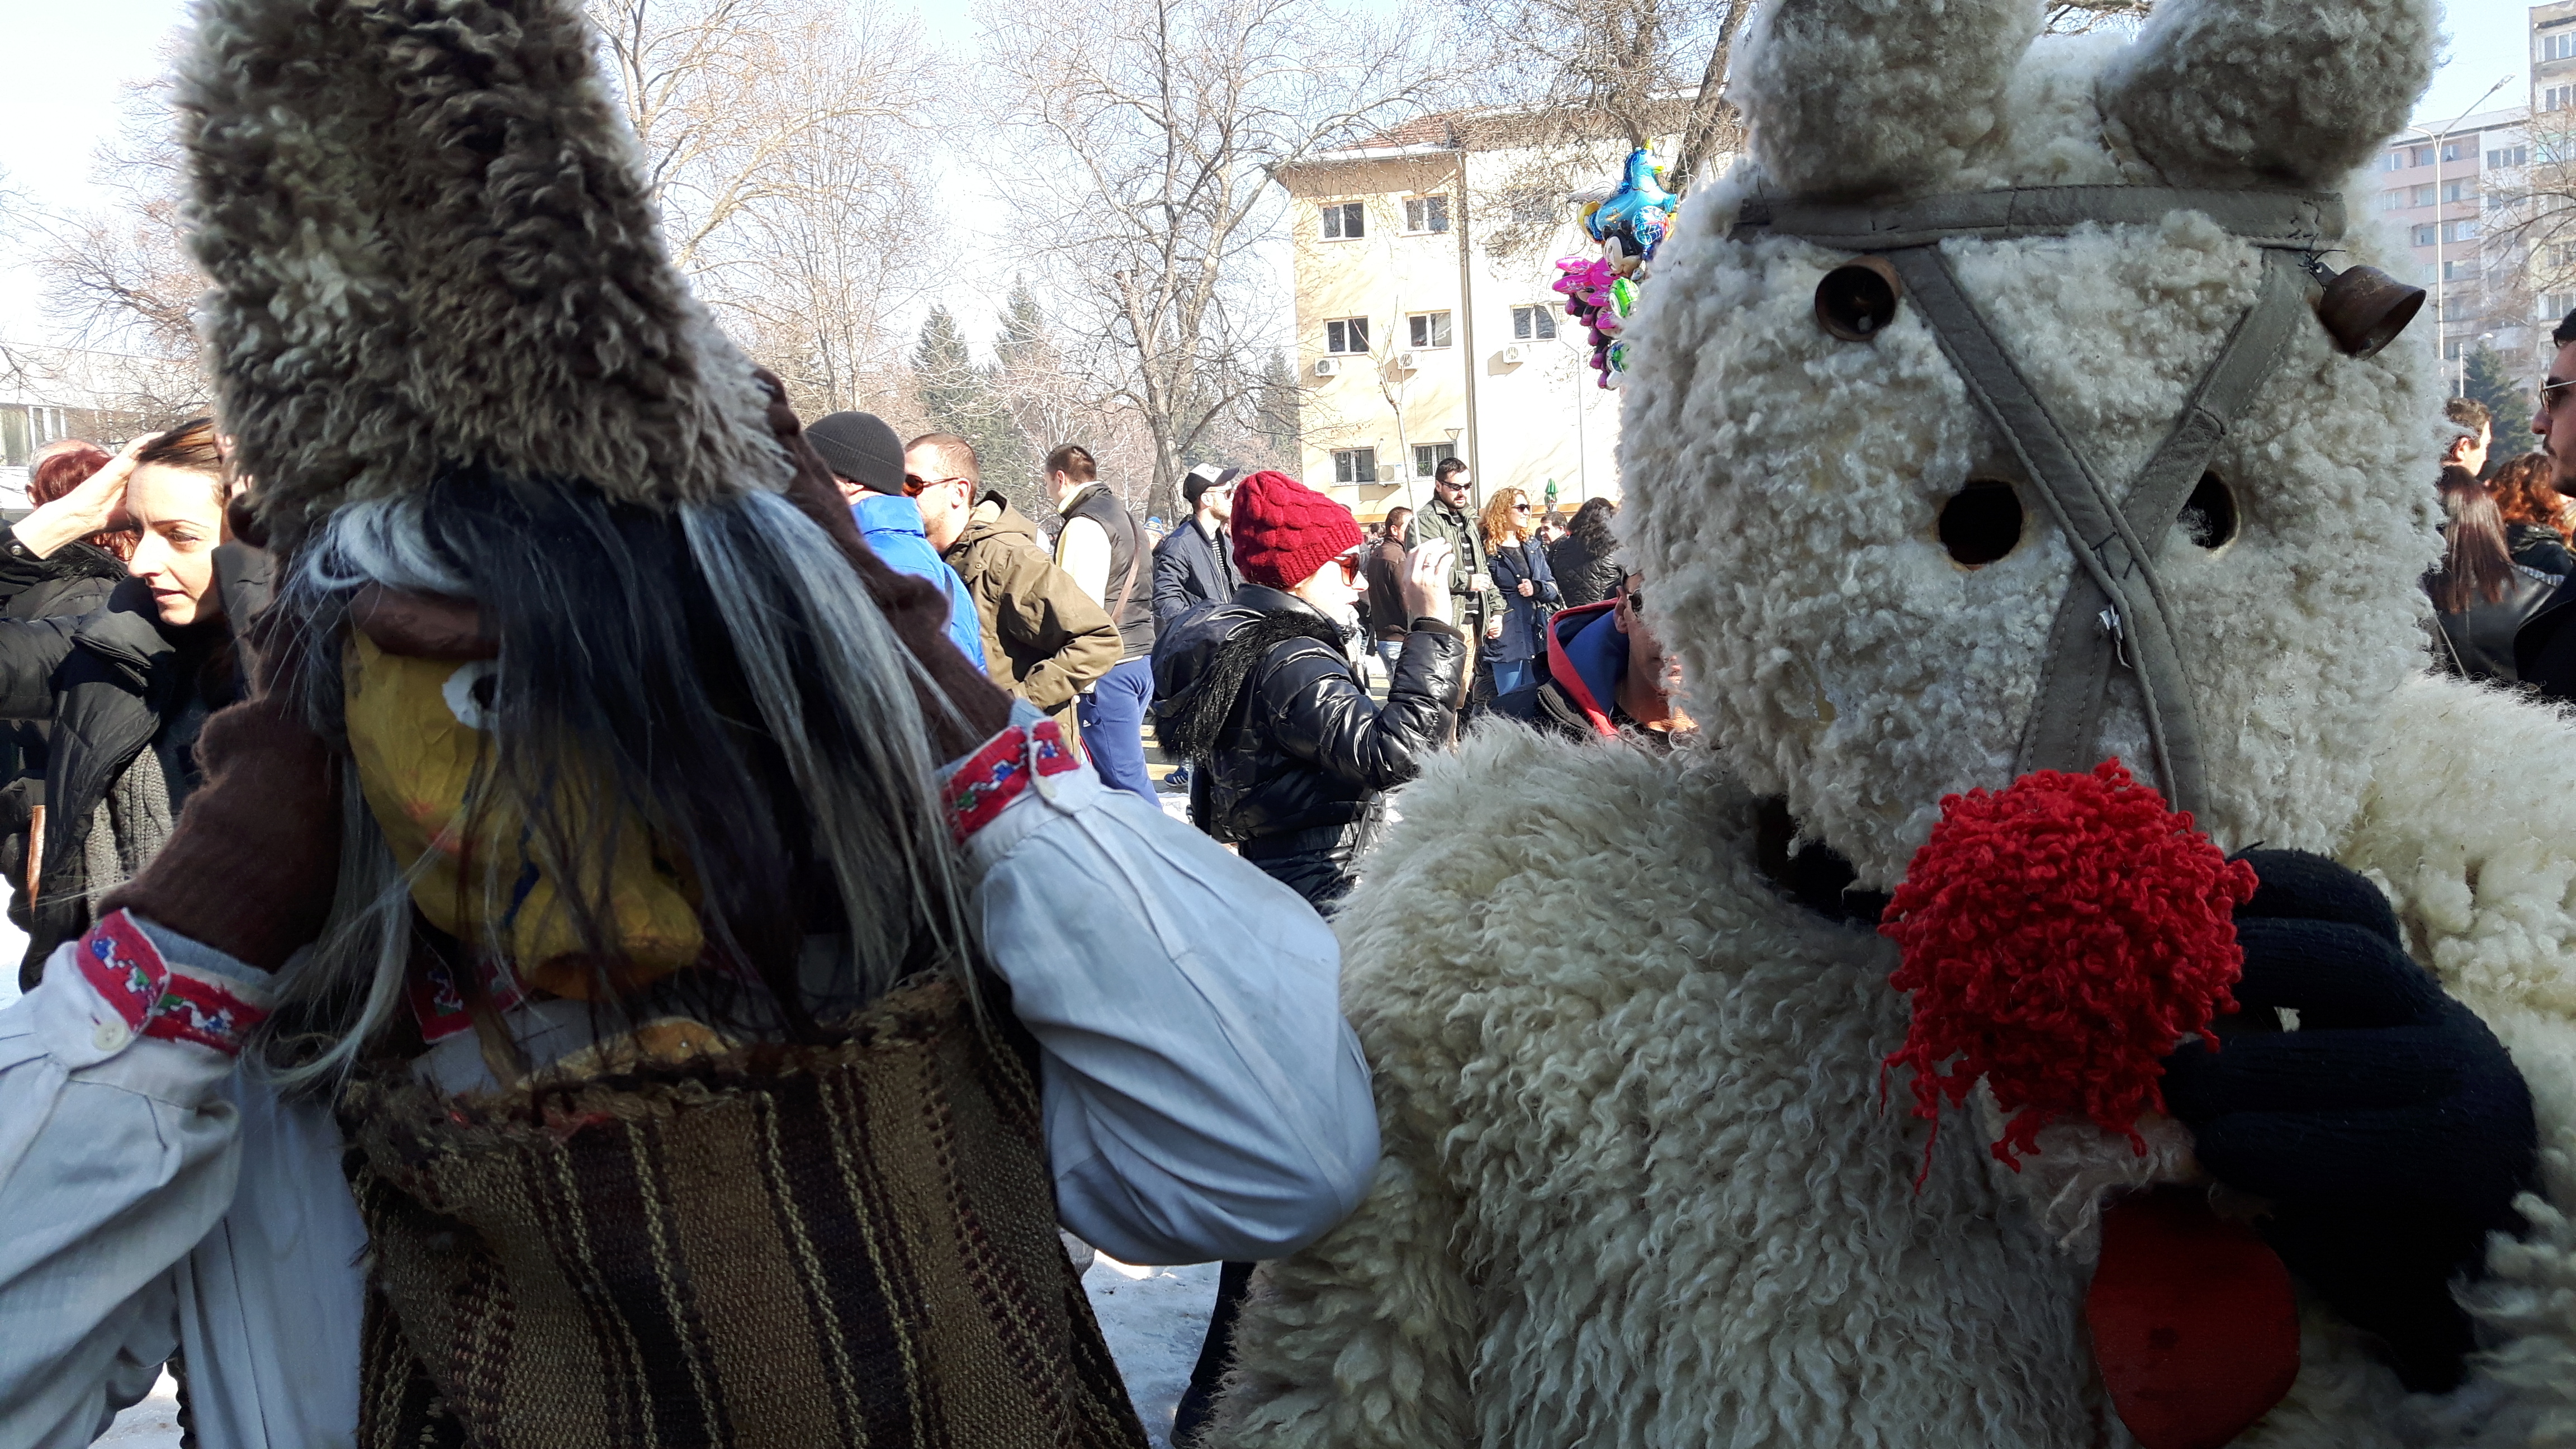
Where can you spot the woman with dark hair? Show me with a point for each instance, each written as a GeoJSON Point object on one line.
{"type": "Point", "coordinates": [1528, 587]}
{"type": "Point", "coordinates": [1586, 560]}
{"type": "Point", "coordinates": [124, 687]}
{"type": "Point", "coordinates": [2480, 594]}
{"type": "Point", "coordinates": [2534, 513]}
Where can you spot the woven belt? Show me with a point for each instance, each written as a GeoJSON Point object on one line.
{"type": "Point", "coordinates": [2114, 612]}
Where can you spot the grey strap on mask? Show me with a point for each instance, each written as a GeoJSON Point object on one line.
{"type": "Point", "coordinates": [2114, 612]}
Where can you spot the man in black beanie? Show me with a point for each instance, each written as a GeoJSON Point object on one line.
{"type": "Point", "coordinates": [866, 460]}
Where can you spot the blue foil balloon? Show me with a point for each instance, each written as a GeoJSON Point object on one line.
{"type": "Point", "coordinates": [1638, 213]}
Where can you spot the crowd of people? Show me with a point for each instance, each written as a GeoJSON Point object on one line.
{"type": "Point", "coordinates": [2508, 546]}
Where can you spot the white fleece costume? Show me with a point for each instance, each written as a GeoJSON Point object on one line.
{"type": "Point", "coordinates": [1641, 1186]}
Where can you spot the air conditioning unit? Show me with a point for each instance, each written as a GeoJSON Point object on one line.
{"type": "Point", "coordinates": [1404, 360]}
{"type": "Point", "coordinates": [1512, 357]}
{"type": "Point", "coordinates": [1327, 366]}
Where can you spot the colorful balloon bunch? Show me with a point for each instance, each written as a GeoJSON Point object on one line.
{"type": "Point", "coordinates": [1601, 291]}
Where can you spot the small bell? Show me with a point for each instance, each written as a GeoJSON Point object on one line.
{"type": "Point", "coordinates": [2363, 308]}
{"type": "Point", "coordinates": [1858, 298]}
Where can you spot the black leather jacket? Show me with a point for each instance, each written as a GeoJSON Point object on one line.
{"type": "Point", "coordinates": [1293, 755]}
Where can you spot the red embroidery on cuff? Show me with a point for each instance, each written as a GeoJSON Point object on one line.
{"type": "Point", "coordinates": [158, 999]}
{"type": "Point", "coordinates": [999, 771]}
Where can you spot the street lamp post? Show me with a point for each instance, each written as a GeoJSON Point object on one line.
{"type": "Point", "coordinates": [2441, 275]}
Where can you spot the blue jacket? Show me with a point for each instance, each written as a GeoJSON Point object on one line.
{"type": "Point", "coordinates": [1524, 620]}
{"type": "Point", "coordinates": [892, 526]}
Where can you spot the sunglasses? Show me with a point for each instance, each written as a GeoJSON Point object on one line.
{"type": "Point", "coordinates": [2547, 401]}
{"type": "Point", "coordinates": [1520, 508]}
{"type": "Point", "coordinates": [914, 486]}
{"type": "Point", "coordinates": [1350, 563]}
{"type": "Point", "coordinates": [1636, 601]}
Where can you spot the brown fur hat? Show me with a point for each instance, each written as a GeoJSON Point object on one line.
{"type": "Point", "coordinates": [431, 247]}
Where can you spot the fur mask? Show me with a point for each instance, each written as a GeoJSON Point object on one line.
{"type": "Point", "coordinates": [1789, 486]}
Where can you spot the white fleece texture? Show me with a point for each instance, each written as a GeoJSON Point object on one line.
{"type": "Point", "coordinates": [1642, 1184]}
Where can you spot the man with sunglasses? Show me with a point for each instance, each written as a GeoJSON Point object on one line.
{"type": "Point", "coordinates": [2544, 650]}
{"type": "Point", "coordinates": [1605, 675]}
{"type": "Point", "coordinates": [1474, 601]}
{"type": "Point", "coordinates": [866, 459]}
{"type": "Point", "coordinates": [1044, 639]}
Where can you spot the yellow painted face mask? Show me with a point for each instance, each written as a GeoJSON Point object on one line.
{"type": "Point", "coordinates": [419, 730]}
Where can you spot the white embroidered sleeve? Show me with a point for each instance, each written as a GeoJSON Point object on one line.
{"type": "Point", "coordinates": [1204, 1098]}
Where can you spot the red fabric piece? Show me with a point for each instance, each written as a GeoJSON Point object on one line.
{"type": "Point", "coordinates": [1000, 772]}
{"type": "Point", "coordinates": [2060, 938]}
{"type": "Point", "coordinates": [1284, 530]}
{"type": "Point", "coordinates": [2195, 1326]}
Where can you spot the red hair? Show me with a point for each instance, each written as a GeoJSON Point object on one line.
{"type": "Point", "coordinates": [66, 465]}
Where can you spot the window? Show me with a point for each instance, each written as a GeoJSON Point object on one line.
{"type": "Point", "coordinates": [2454, 150]}
{"type": "Point", "coordinates": [2392, 161]}
{"type": "Point", "coordinates": [2452, 347]}
{"type": "Point", "coordinates": [1429, 329]}
{"type": "Point", "coordinates": [2558, 98]}
{"type": "Point", "coordinates": [2423, 196]}
{"type": "Point", "coordinates": [2561, 46]}
{"type": "Point", "coordinates": [2556, 305]}
{"type": "Point", "coordinates": [1533, 324]}
{"type": "Point", "coordinates": [2509, 156]}
{"type": "Point", "coordinates": [1346, 334]}
{"type": "Point", "coordinates": [1345, 220]}
{"type": "Point", "coordinates": [1427, 457]}
{"type": "Point", "coordinates": [2464, 190]}
{"type": "Point", "coordinates": [2421, 156]}
{"type": "Point", "coordinates": [2429, 279]}
{"type": "Point", "coordinates": [2465, 229]}
{"type": "Point", "coordinates": [2392, 200]}
{"type": "Point", "coordinates": [2423, 236]}
{"type": "Point", "coordinates": [1426, 213]}
{"type": "Point", "coordinates": [2459, 271]}
{"type": "Point", "coordinates": [1355, 465]}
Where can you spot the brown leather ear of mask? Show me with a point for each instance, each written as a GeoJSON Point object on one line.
{"type": "Point", "coordinates": [423, 626]}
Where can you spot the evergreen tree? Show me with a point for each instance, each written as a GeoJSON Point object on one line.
{"type": "Point", "coordinates": [2491, 382]}
{"type": "Point", "coordinates": [1277, 418]}
{"type": "Point", "coordinates": [960, 397]}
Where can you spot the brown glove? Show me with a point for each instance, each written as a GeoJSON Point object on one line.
{"type": "Point", "coordinates": [915, 606]}
{"type": "Point", "coordinates": [256, 855]}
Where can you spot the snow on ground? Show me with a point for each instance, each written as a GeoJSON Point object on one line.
{"type": "Point", "coordinates": [1154, 1319]}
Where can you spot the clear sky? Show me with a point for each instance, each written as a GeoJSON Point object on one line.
{"type": "Point", "coordinates": [67, 63]}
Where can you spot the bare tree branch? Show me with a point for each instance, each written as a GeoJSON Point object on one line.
{"type": "Point", "coordinates": [1150, 131]}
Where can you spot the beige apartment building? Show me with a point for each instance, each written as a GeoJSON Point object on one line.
{"type": "Point", "coordinates": [1416, 343]}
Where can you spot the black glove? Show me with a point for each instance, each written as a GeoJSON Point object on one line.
{"type": "Point", "coordinates": [2390, 1132]}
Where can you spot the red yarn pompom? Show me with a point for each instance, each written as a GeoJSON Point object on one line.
{"type": "Point", "coordinates": [2059, 939]}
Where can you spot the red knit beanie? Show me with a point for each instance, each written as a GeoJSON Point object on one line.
{"type": "Point", "coordinates": [1284, 530]}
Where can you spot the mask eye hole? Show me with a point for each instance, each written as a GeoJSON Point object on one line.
{"type": "Point", "coordinates": [472, 693]}
{"type": "Point", "coordinates": [1981, 523]}
{"type": "Point", "coordinates": [2208, 517]}
{"type": "Point", "coordinates": [1857, 300]}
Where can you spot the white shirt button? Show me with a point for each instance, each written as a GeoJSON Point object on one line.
{"type": "Point", "coordinates": [110, 1036]}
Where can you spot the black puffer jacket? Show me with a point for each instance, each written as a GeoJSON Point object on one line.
{"type": "Point", "coordinates": [1586, 562]}
{"type": "Point", "coordinates": [1293, 755]}
{"type": "Point", "coordinates": [114, 683]}
{"type": "Point", "coordinates": [71, 581]}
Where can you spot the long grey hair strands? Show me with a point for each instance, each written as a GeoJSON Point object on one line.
{"type": "Point", "coordinates": [624, 619]}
